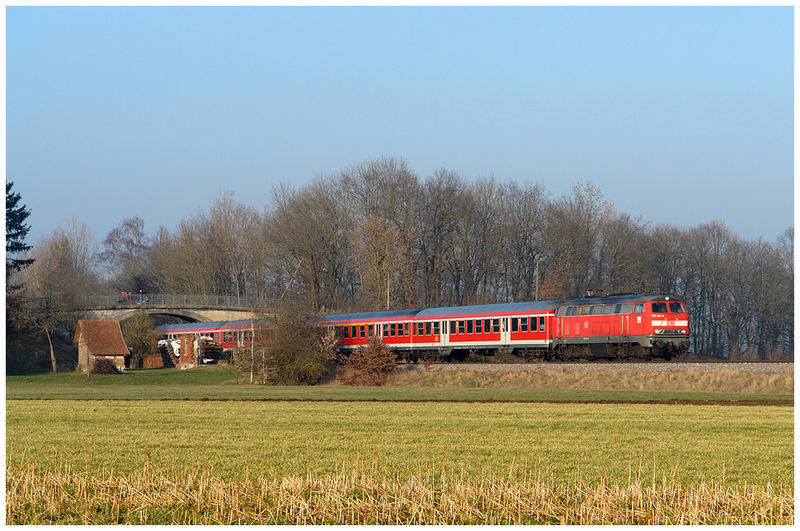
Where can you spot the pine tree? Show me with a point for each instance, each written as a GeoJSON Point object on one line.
{"type": "Point", "coordinates": [16, 230]}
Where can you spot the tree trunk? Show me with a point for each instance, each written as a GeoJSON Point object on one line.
{"type": "Point", "coordinates": [52, 352]}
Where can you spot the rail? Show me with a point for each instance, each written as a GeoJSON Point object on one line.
{"type": "Point", "coordinates": [157, 300]}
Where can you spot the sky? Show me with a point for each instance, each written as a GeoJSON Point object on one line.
{"type": "Point", "coordinates": [680, 115]}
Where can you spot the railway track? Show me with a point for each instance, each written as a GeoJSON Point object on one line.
{"type": "Point", "coordinates": [626, 366]}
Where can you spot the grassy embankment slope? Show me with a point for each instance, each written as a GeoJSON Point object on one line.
{"type": "Point", "coordinates": [218, 383]}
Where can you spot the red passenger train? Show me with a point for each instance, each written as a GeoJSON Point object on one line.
{"type": "Point", "coordinates": [621, 326]}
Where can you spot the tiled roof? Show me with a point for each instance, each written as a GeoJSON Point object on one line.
{"type": "Point", "coordinates": [104, 337]}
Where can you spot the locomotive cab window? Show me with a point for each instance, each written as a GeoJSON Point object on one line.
{"type": "Point", "coordinates": [676, 307]}
{"type": "Point", "coordinates": [659, 307]}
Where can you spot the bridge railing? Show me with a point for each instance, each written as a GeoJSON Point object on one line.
{"type": "Point", "coordinates": [149, 300]}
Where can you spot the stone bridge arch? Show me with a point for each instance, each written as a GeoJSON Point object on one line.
{"type": "Point", "coordinates": [187, 314]}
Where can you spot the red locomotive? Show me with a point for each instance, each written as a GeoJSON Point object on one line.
{"type": "Point", "coordinates": [621, 326]}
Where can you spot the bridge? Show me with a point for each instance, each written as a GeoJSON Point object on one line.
{"type": "Point", "coordinates": [193, 308]}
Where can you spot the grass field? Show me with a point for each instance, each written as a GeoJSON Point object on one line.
{"type": "Point", "coordinates": [221, 383]}
{"type": "Point", "coordinates": [135, 456]}
{"type": "Point", "coordinates": [248, 439]}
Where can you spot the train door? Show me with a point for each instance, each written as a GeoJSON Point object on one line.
{"type": "Point", "coordinates": [445, 333]}
{"type": "Point", "coordinates": [505, 333]}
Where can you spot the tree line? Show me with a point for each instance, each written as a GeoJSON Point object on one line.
{"type": "Point", "coordinates": [377, 236]}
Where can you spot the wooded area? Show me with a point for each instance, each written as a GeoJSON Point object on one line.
{"type": "Point", "coordinates": [377, 236]}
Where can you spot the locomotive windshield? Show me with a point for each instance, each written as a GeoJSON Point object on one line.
{"type": "Point", "coordinates": [659, 307]}
{"type": "Point", "coordinates": [676, 307]}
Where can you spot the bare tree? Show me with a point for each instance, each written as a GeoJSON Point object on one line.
{"type": "Point", "coordinates": [124, 255]}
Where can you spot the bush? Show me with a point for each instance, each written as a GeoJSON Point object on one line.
{"type": "Point", "coordinates": [103, 366]}
{"type": "Point", "coordinates": [369, 365]}
{"type": "Point", "coordinates": [296, 351]}
{"type": "Point", "coordinates": [139, 335]}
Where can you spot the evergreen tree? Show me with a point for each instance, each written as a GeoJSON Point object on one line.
{"type": "Point", "coordinates": [16, 230]}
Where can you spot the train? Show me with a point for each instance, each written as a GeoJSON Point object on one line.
{"type": "Point", "coordinates": [615, 327]}
{"type": "Point", "coordinates": [222, 336]}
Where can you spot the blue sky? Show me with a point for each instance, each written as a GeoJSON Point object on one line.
{"type": "Point", "coordinates": [680, 115]}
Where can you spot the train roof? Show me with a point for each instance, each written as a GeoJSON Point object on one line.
{"type": "Point", "coordinates": [367, 316]}
{"type": "Point", "coordinates": [506, 307]}
{"type": "Point", "coordinates": [195, 326]}
{"type": "Point", "coordinates": [618, 298]}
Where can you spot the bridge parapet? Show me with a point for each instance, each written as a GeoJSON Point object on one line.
{"type": "Point", "coordinates": [162, 300]}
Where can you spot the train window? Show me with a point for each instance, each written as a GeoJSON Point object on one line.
{"type": "Point", "coordinates": [452, 327]}
{"type": "Point", "coordinates": [428, 326]}
{"type": "Point", "coordinates": [659, 307]}
{"type": "Point", "coordinates": [523, 324]}
{"type": "Point", "coordinates": [419, 328]}
{"type": "Point", "coordinates": [436, 328]}
{"type": "Point", "coordinates": [393, 329]}
{"type": "Point", "coordinates": [572, 310]}
{"type": "Point", "coordinates": [487, 326]}
{"type": "Point", "coordinates": [361, 330]}
{"type": "Point", "coordinates": [345, 330]}
{"type": "Point", "coordinates": [639, 308]}
{"type": "Point", "coordinates": [353, 331]}
{"type": "Point", "coordinates": [470, 326]}
{"type": "Point", "coordinates": [583, 310]}
{"type": "Point", "coordinates": [385, 330]}
{"type": "Point", "coordinates": [479, 326]}
{"type": "Point", "coordinates": [541, 324]}
{"type": "Point", "coordinates": [370, 330]}
{"type": "Point", "coordinates": [405, 329]}
{"type": "Point", "coordinates": [513, 324]}
{"type": "Point", "coordinates": [495, 325]}
{"type": "Point", "coordinates": [676, 307]}
{"type": "Point", "coordinates": [618, 308]}
{"type": "Point", "coordinates": [461, 327]}
{"type": "Point", "coordinates": [604, 309]}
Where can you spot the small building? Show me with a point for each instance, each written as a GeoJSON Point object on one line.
{"type": "Point", "coordinates": [99, 339]}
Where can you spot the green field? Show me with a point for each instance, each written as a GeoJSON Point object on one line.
{"type": "Point", "coordinates": [273, 439]}
{"type": "Point", "coordinates": [221, 383]}
{"type": "Point", "coordinates": [198, 446]}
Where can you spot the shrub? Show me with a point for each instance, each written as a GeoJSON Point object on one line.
{"type": "Point", "coordinates": [103, 366]}
{"type": "Point", "coordinates": [295, 352]}
{"type": "Point", "coordinates": [369, 365]}
{"type": "Point", "coordinates": [140, 335]}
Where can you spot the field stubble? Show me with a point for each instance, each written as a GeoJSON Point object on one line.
{"type": "Point", "coordinates": [200, 497]}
